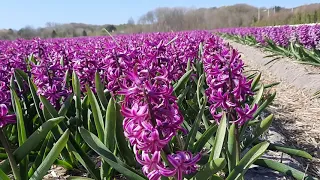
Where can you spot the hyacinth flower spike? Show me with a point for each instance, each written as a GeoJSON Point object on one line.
{"type": "Point", "coordinates": [4, 120]}
{"type": "Point", "coordinates": [4, 117]}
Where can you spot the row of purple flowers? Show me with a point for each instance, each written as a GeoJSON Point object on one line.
{"type": "Point", "coordinates": [306, 35]}
{"type": "Point", "coordinates": [142, 68]}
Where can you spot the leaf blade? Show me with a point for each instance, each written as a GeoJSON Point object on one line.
{"type": "Point", "coordinates": [96, 145]}
{"type": "Point", "coordinates": [51, 157]}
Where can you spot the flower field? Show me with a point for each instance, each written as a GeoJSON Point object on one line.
{"type": "Point", "coordinates": [148, 106]}
{"type": "Point", "coordinates": [302, 42]}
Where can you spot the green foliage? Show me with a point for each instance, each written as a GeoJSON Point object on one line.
{"type": "Point", "coordinates": [249, 158]}
{"type": "Point", "coordinates": [95, 143]}
{"type": "Point", "coordinates": [287, 170]}
{"type": "Point", "coordinates": [84, 33]}
{"type": "Point", "coordinates": [54, 34]}
{"type": "Point", "coordinates": [91, 123]}
{"type": "Point", "coordinates": [51, 157]}
{"type": "Point", "coordinates": [295, 51]}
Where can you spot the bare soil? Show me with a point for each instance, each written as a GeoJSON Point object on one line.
{"type": "Point", "coordinates": [297, 115]}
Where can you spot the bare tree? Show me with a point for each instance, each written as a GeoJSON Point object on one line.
{"type": "Point", "coordinates": [131, 21]}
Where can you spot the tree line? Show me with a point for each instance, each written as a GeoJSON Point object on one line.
{"type": "Point", "coordinates": [178, 19]}
{"type": "Point", "coordinates": [302, 15]}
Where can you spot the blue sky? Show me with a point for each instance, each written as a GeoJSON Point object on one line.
{"type": "Point", "coordinates": [19, 13]}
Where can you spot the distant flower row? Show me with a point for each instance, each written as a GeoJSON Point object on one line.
{"type": "Point", "coordinates": [306, 35]}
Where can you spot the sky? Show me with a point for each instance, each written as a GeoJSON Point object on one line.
{"type": "Point", "coordinates": [16, 14]}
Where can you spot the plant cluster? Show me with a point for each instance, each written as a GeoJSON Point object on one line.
{"type": "Point", "coordinates": [151, 106]}
{"type": "Point", "coordinates": [302, 43]}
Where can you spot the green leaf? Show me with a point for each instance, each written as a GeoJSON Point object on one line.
{"type": "Point", "coordinates": [219, 140]}
{"type": "Point", "coordinates": [199, 87]}
{"type": "Point", "coordinates": [217, 164]}
{"type": "Point", "coordinates": [97, 115]}
{"type": "Point", "coordinates": [49, 106]}
{"type": "Point", "coordinates": [13, 163]}
{"type": "Point", "coordinates": [205, 138]}
{"type": "Point", "coordinates": [256, 100]}
{"type": "Point", "coordinates": [232, 154]}
{"type": "Point", "coordinates": [3, 176]}
{"type": "Point", "coordinates": [198, 135]}
{"type": "Point", "coordinates": [83, 158]}
{"type": "Point", "coordinates": [3, 156]}
{"type": "Point", "coordinates": [189, 64]}
{"type": "Point", "coordinates": [183, 95]}
{"type": "Point", "coordinates": [192, 135]}
{"type": "Point", "coordinates": [210, 169]}
{"type": "Point", "coordinates": [310, 57]}
{"type": "Point", "coordinates": [266, 86]}
{"type": "Point", "coordinates": [36, 99]}
{"type": "Point", "coordinates": [274, 59]}
{"type": "Point", "coordinates": [251, 76]}
{"type": "Point", "coordinates": [255, 81]}
{"type": "Point", "coordinates": [308, 63]}
{"type": "Point", "coordinates": [262, 128]}
{"type": "Point", "coordinates": [264, 105]}
{"type": "Point", "coordinates": [22, 135]}
{"type": "Point", "coordinates": [199, 67]}
{"type": "Point", "coordinates": [22, 74]}
{"type": "Point", "coordinates": [85, 112]}
{"type": "Point", "coordinates": [200, 50]}
{"type": "Point", "coordinates": [182, 82]}
{"type": "Point", "coordinates": [122, 143]}
{"type": "Point", "coordinates": [32, 59]}
{"type": "Point", "coordinates": [77, 93]}
{"type": "Point", "coordinates": [294, 52]}
{"type": "Point", "coordinates": [65, 106]}
{"type": "Point", "coordinates": [40, 155]}
{"type": "Point", "coordinates": [13, 87]}
{"type": "Point", "coordinates": [172, 40]}
{"type": "Point", "coordinates": [96, 145]}
{"type": "Point", "coordinates": [290, 151]}
{"type": "Point", "coordinates": [316, 95]}
{"type": "Point", "coordinates": [78, 178]}
{"type": "Point", "coordinates": [109, 133]}
{"type": "Point", "coordinates": [49, 111]}
{"type": "Point", "coordinates": [99, 89]}
{"type": "Point", "coordinates": [66, 80]}
{"type": "Point", "coordinates": [20, 121]}
{"type": "Point", "coordinates": [110, 126]}
{"type": "Point", "coordinates": [251, 156]}
{"type": "Point", "coordinates": [282, 168]}
{"type": "Point", "coordinates": [51, 157]}
{"type": "Point", "coordinates": [258, 96]}
{"type": "Point", "coordinates": [285, 51]}
{"type": "Point", "coordinates": [32, 142]}
{"type": "Point", "coordinates": [46, 114]}
{"type": "Point", "coordinates": [63, 164]}
{"type": "Point", "coordinates": [216, 177]}
{"type": "Point", "coordinates": [18, 80]}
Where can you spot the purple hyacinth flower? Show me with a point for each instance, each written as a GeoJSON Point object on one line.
{"type": "Point", "coordinates": [4, 117]}
{"type": "Point", "coordinates": [183, 163]}
{"type": "Point", "coordinates": [222, 99]}
{"type": "Point", "coordinates": [245, 113]}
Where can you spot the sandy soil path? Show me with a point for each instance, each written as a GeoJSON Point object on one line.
{"type": "Point", "coordinates": [297, 115]}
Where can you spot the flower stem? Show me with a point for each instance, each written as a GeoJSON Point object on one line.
{"type": "Point", "coordinates": [164, 158]}
{"type": "Point", "coordinates": [180, 142]}
{"type": "Point", "coordinates": [12, 161]}
{"type": "Point", "coordinates": [238, 149]}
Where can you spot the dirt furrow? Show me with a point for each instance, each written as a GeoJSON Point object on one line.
{"type": "Point", "coordinates": [297, 115]}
